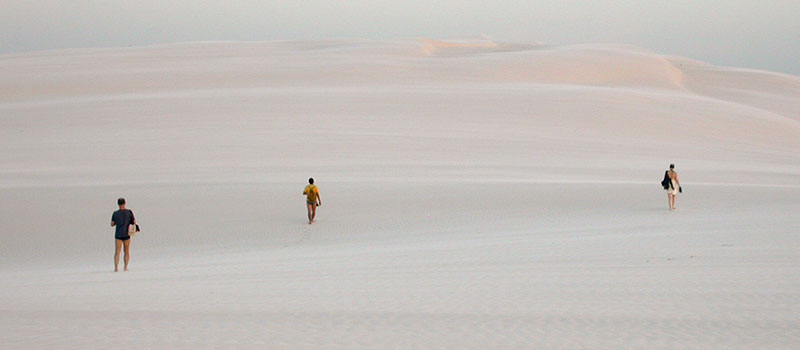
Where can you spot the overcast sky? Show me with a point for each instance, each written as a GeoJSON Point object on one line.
{"type": "Point", "coordinates": [745, 33]}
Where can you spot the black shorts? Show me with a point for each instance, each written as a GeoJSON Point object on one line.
{"type": "Point", "coordinates": [123, 238]}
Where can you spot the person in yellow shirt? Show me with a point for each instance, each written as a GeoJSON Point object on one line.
{"type": "Point", "coordinates": [313, 200]}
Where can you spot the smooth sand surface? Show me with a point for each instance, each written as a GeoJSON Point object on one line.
{"type": "Point", "coordinates": [476, 195]}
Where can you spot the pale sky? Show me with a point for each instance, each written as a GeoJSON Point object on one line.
{"type": "Point", "coordinates": [743, 33]}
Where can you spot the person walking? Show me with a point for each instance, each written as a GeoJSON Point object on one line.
{"type": "Point", "coordinates": [672, 185]}
{"type": "Point", "coordinates": [122, 219]}
{"type": "Point", "coordinates": [313, 200]}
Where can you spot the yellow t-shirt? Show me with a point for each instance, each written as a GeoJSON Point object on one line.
{"type": "Point", "coordinates": [311, 193]}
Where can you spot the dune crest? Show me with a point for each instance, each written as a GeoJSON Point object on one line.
{"type": "Point", "coordinates": [197, 66]}
{"type": "Point", "coordinates": [439, 47]}
{"type": "Point", "coordinates": [770, 91]}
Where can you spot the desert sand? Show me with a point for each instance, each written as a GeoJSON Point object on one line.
{"type": "Point", "coordinates": [476, 195]}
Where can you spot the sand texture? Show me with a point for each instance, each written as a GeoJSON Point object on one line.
{"type": "Point", "coordinates": [476, 195]}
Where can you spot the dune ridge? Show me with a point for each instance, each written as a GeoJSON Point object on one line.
{"type": "Point", "coordinates": [544, 101]}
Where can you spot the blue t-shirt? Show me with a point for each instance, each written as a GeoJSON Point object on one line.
{"type": "Point", "coordinates": [122, 218]}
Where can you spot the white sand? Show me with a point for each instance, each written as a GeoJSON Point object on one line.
{"type": "Point", "coordinates": [475, 196]}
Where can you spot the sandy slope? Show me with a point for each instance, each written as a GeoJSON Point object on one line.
{"type": "Point", "coordinates": [476, 195]}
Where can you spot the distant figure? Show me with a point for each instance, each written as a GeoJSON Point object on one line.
{"type": "Point", "coordinates": [672, 185]}
{"type": "Point", "coordinates": [313, 199]}
{"type": "Point", "coordinates": [122, 219]}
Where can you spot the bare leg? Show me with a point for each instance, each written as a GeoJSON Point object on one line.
{"type": "Point", "coordinates": [313, 212]}
{"type": "Point", "coordinates": [118, 243]}
{"type": "Point", "coordinates": [127, 245]}
{"type": "Point", "coordinates": [310, 210]}
{"type": "Point", "coordinates": [671, 201]}
{"type": "Point", "coordinates": [674, 197]}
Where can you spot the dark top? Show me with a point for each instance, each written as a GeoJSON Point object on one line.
{"type": "Point", "coordinates": [667, 182]}
{"type": "Point", "coordinates": [122, 219]}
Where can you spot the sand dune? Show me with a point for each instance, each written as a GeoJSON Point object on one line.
{"type": "Point", "coordinates": [476, 194]}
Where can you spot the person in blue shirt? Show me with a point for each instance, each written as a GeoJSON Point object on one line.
{"type": "Point", "coordinates": [122, 219]}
